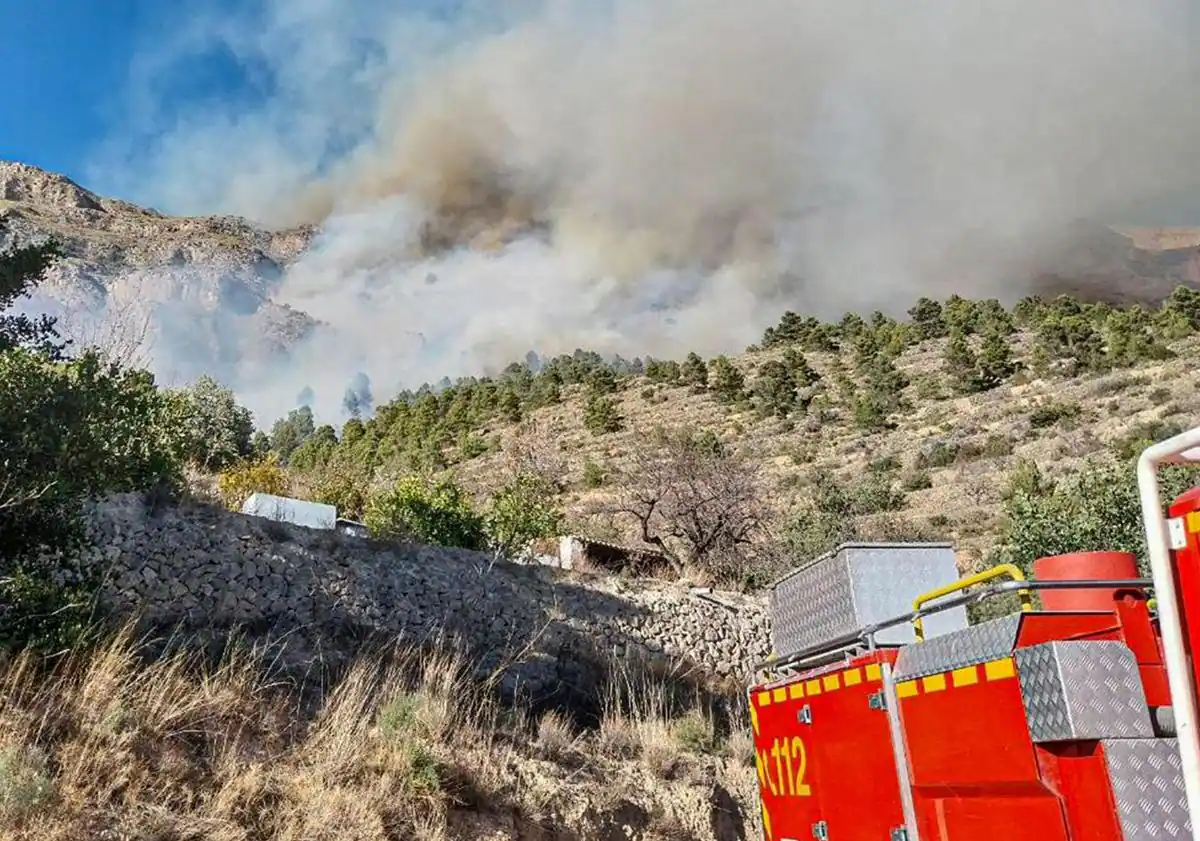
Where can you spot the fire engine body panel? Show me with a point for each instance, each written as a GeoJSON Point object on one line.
{"type": "Point", "coordinates": [1046, 725]}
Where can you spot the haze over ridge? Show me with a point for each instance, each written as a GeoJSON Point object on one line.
{"type": "Point", "coordinates": [656, 178]}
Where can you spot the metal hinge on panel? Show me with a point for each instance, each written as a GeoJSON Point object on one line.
{"type": "Point", "coordinates": [876, 701]}
{"type": "Point", "coordinates": [1177, 532]}
{"type": "Point", "coordinates": [899, 834]}
{"type": "Point", "coordinates": [821, 831]}
{"type": "Point", "coordinates": [804, 716]}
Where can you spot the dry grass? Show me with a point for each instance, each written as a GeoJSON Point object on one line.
{"type": "Point", "coordinates": [111, 746]}
{"type": "Point", "coordinates": [1018, 421]}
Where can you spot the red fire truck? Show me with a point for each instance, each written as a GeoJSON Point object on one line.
{"type": "Point", "coordinates": [887, 716]}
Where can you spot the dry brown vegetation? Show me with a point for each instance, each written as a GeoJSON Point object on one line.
{"type": "Point", "coordinates": [951, 455]}
{"type": "Point", "coordinates": [108, 745]}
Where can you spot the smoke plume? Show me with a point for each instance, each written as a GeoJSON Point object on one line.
{"type": "Point", "coordinates": [657, 177]}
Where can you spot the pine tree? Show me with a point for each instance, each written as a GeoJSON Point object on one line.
{"type": "Point", "coordinates": [995, 362]}
{"type": "Point", "coordinates": [804, 374]}
{"type": "Point", "coordinates": [601, 415]}
{"type": "Point", "coordinates": [601, 381]}
{"type": "Point", "coordinates": [927, 319]}
{"type": "Point", "coordinates": [774, 389]}
{"type": "Point", "coordinates": [510, 405]}
{"type": "Point", "coordinates": [960, 363]}
{"type": "Point", "coordinates": [694, 372]}
{"type": "Point", "coordinates": [728, 382]}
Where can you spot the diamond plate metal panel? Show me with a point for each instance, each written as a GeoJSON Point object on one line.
{"type": "Point", "coordinates": [1147, 784]}
{"type": "Point", "coordinates": [886, 579]}
{"type": "Point", "coordinates": [1082, 690]}
{"type": "Point", "coordinates": [813, 605]}
{"type": "Point", "coordinates": [859, 584]}
{"type": "Point", "coordinates": [977, 644]}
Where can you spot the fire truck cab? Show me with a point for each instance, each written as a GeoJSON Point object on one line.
{"type": "Point", "coordinates": [887, 715]}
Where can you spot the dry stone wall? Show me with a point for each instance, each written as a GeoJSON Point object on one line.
{"type": "Point", "coordinates": [205, 572]}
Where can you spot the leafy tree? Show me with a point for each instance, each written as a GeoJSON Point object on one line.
{"type": "Point", "coordinates": [72, 430]}
{"type": "Point", "coordinates": [520, 512]}
{"type": "Point", "coordinates": [290, 432]}
{"type": "Point", "coordinates": [434, 512]}
{"type": "Point", "coordinates": [21, 269]}
{"type": "Point", "coordinates": [215, 432]}
{"type": "Point", "coordinates": [1097, 508]}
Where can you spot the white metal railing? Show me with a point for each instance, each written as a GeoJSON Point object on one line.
{"type": "Point", "coordinates": [1181, 449]}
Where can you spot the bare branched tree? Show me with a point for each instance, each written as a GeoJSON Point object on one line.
{"type": "Point", "coordinates": [120, 331]}
{"type": "Point", "coordinates": [13, 498]}
{"type": "Point", "coordinates": [700, 503]}
{"type": "Point", "coordinates": [533, 451]}
{"type": "Point", "coordinates": [979, 483]}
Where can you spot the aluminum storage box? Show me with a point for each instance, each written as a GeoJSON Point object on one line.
{"type": "Point", "coordinates": [859, 584]}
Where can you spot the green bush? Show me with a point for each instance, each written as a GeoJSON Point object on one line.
{"type": "Point", "coordinates": [520, 512]}
{"type": "Point", "coordinates": [593, 475]}
{"type": "Point", "coordinates": [940, 454]}
{"type": "Point", "coordinates": [72, 429]}
{"type": "Point", "coordinates": [1097, 508]}
{"type": "Point", "coordinates": [1052, 413]}
{"type": "Point", "coordinates": [1130, 445]}
{"type": "Point", "coordinates": [435, 512]}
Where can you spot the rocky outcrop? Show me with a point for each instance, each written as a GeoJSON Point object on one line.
{"type": "Point", "coordinates": [207, 572]}
{"type": "Point", "coordinates": [202, 286]}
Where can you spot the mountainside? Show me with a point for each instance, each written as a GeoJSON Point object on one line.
{"type": "Point", "coordinates": [207, 285]}
{"type": "Point", "coordinates": [938, 474]}
{"type": "Point", "coordinates": [207, 281]}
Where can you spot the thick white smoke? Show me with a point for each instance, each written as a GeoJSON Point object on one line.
{"type": "Point", "coordinates": [660, 177]}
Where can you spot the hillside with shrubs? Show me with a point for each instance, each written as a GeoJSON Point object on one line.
{"type": "Point", "coordinates": [957, 422]}
{"type": "Point", "coordinates": [1008, 430]}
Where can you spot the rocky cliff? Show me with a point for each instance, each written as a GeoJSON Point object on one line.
{"type": "Point", "coordinates": [131, 276]}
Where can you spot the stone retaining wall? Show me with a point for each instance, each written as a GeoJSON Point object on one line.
{"type": "Point", "coordinates": [207, 571]}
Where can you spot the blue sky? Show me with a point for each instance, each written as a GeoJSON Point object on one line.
{"type": "Point", "coordinates": [145, 99]}
{"type": "Point", "coordinates": [216, 105]}
{"type": "Point", "coordinates": [66, 65]}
